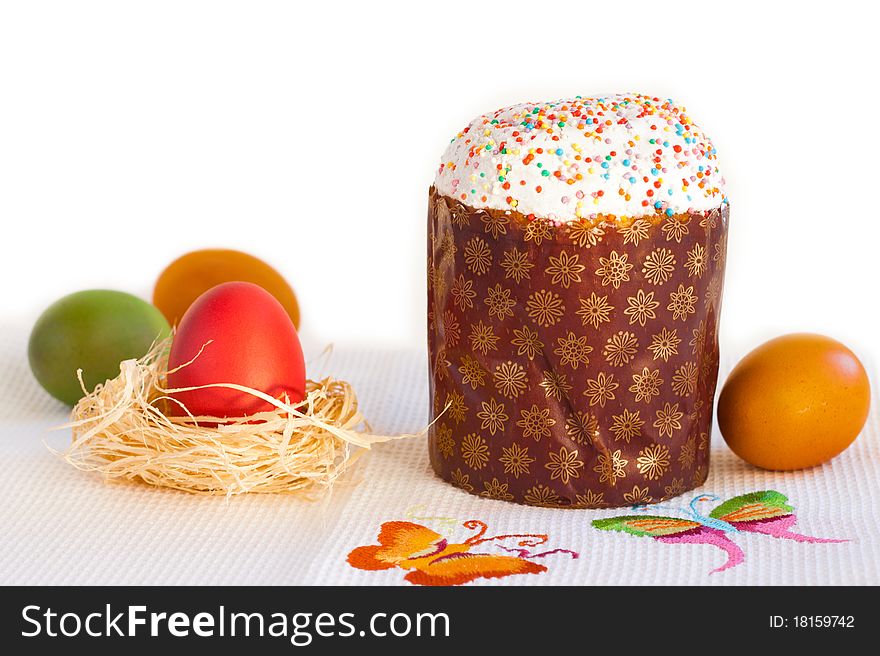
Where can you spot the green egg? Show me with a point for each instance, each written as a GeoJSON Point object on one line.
{"type": "Point", "coordinates": [94, 331]}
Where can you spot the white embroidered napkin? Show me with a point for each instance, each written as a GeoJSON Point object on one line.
{"type": "Point", "coordinates": [63, 526]}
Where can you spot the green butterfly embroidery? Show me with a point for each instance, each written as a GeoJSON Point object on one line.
{"type": "Point", "coordinates": [764, 512]}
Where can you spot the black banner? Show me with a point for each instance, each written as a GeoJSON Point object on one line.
{"type": "Point", "coordinates": [543, 620]}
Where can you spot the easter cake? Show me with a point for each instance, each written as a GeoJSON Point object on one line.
{"type": "Point", "coordinates": [575, 268]}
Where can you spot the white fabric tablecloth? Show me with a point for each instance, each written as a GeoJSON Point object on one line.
{"type": "Point", "coordinates": [62, 526]}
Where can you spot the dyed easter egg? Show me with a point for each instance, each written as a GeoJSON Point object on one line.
{"type": "Point", "coordinates": [794, 402]}
{"type": "Point", "coordinates": [94, 331]}
{"type": "Point", "coordinates": [236, 333]}
{"type": "Point", "coordinates": [191, 275]}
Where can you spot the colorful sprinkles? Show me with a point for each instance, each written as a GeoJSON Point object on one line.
{"type": "Point", "coordinates": [613, 158]}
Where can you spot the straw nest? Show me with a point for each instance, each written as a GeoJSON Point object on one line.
{"type": "Point", "coordinates": [122, 431]}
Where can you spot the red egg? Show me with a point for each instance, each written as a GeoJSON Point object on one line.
{"type": "Point", "coordinates": [248, 340]}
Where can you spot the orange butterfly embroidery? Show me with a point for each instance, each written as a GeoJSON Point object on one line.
{"type": "Point", "coordinates": [432, 560]}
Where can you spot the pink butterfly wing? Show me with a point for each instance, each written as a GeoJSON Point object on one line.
{"type": "Point", "coordinates": [713, 537]}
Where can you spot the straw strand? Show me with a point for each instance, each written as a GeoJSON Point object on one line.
{"type": "Point", "coordinates": [122, 430]}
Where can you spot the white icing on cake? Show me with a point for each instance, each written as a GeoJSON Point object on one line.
{"type": "Point", "coordinates": [613, 157]}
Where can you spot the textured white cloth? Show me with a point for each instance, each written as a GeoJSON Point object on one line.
{"type": "Point", "coordinates": [63, 526]}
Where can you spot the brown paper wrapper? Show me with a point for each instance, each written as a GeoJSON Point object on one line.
{"type": "Point", "coordinates": [574, 365]}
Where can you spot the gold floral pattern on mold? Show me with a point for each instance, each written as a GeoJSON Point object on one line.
{"type": "Point", "coordinates": [474, 450]}
{"type": "Point", "coordinates": [516, 265]}
{"type": "Point", "coordinates": [463, 293]}
{"type": "Point", "coordinates": [564, 269]}
{"type": "Point", "coordinates": [684, 380]}
{"type": "Point", "coordinates": [627, 425]}
{"type": "Point", "coordinates": [556, 385]}
{"type": "Point", "coordinates": [664, 344]}
{"type": "Point", "coordinates": [635, 232]}
{"type": "Point", "coordinates": [582, 427]}
{"type": "Point", "coordinates": [640, 308]}
{"type": "Point", "coordinates": [456, 407]}
{"type": "Point", "coordinates": [495, 489]}
{"type": "Point", "coordinates": [658, 266]}
{"type": "Point", "coordinates": [510, 379]}
{"type": "Point", "coordinates": [495, 225]}
{"type": "Point", "coordinates": [516, 460]}
{"type": "Point", "coordinates": [527, 342]}
{"type": "Point", "coordinates": [668, 419]}
{"type": "Point", "coordinates": [472, 373]}
{"type": "Point", "coordinates": [541, 495]}
{"type": "Point", "coordinates": [451, 329]}
{"type": "Point", "coordinates": [653, 461]}
{"type": "Point", "coordinates": [483, 338]}
{"type": "Point", "coordinates": [615, 269]}
{"type": "Point", "coordinates": [536, 422]}
{"type": "Point", "coordinates": [620, 348]}
{"type": "Point", "coordinates": [611, 465]}
{"type": "Point", "coordinates": [462, 480]}
{"type": "Point", "coordinates": [573, 364]}
{"type": "Point", "coordinates": [564, 465]}
{"type": "Point", "coordinates": [696, 262]}
{"type": "Point", "coordinates": [545, 308]}
{"type": "Point", "coordinates": [492, 416]}
{"type": "Point", "coordinates": [601, 389]}
{"type": "Point", "coordinates": [573, 350]}
{"type": "Point", "coordinates": [595, 310]}
{"type": "Point", "coordinates": [646, 384]}
{"type": "Point", "coordinates": [478, 256]}
{"type": "Point", "coordinates": [590, 499]}
{"type": "Point", "coordinates": [445, 442]}
{"type": "Point", "coordinates": [674, 228]}
{"type": "Point", "coordinates": [499, 302]}
{"type": "Point", "coordinates": [638, 496]}
{"type": "Point", "coordinates": [688, 453]}
{"type": "Point", "coordinates": [584, 235]}
{"type": "Point", "coordinates": [682, 302]}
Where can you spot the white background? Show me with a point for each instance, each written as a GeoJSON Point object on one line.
{"type": "Point", "coordinates": [308, 134]}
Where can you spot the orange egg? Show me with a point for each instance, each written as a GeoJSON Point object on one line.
{"type": "Point", "coordinates": [190, 275]}
{"type": "Point", "coordinates": [794, 402]}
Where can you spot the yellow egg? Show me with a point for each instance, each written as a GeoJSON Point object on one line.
{"type": "Point", "coordinates": [794, 402]}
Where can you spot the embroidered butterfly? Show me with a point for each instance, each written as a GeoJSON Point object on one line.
{"type": "Point", "coordinates": [432, 560]}
{"type": "Point", "coordinates": [765, 512]}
